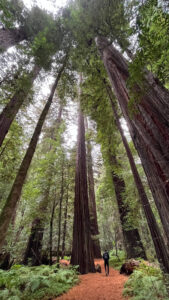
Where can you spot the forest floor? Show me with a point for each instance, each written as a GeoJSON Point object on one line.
{"type": "Point", "coordinates": [96, 286]}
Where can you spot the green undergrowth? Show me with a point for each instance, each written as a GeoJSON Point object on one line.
{"type": "Point", "coordinates": [117, 261]}
{"type": "Point", "coordinates": [23, 283]}
{"type": "Point", "coordinates": [146, 283]}
{"type": "Point", "coordinates": [67, 258]}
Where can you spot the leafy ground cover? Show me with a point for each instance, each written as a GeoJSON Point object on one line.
{"type": "Point", "coordinates": [116, 261]}
{"type": "Point", "coordinates": [23, 283]}
{"type": "Point", "coordinates": [147, 282]}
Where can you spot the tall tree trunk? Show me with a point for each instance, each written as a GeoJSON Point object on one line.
{"type": "Point", "coordinates": [82, 253]}
{"type": "Point", "coordinates": [159, 244]}
{"type": "Point", "coordinates": [10, 37]}
{"type": "Point", "coordinates": [92, 202]}
{"type": "Point", "coordinates": [148, 127]}
{"type": "Point", "coordinates": [60, 212]}
{"type": "Point", "coordinates": [132, 240]}
{"type": "Point", "coordinates": [7, 211]}
{"type": "Point", "coordinates": [51, 231]}
{"type": "Point", "coordinates": [157, 238]}
{"type": "Point", "coordinates": [11, 109]}
{"type": "Point", "coordinates": [34, 245]}
{"type": "Point", "coordinates": [65, 221]}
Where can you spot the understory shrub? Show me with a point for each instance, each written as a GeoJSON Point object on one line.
{"type": "Point", "coordinates": [117, 261]}
{"type": "Point", "coordinates": [23, 283]}
{"type": "Point", "coordinates": [146, 283]}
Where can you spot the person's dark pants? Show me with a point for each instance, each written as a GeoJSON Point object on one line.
{"type": "Point", "coordinates": [106, 265]}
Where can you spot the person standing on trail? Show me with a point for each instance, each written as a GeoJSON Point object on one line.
{"type": "Point", "coordinates": [106, 262]}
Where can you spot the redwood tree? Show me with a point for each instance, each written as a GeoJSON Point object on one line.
{"type": "Point", "coordinates": [82, 253]}
{"type": "Point", "coordinates": [148, 125]}
{"type": "Point", "coordinates": [34, 244]}
{"type": "Point", "coordinates": [92, 201]}
{"type": "Point", "coordinates": [11, 109]}
{"type": "Point", "coordinates": [159, 244]}
{"type": "Point", "coordinates": [13, 198]}
{"type": "Point", "coordinates": [132, 240]}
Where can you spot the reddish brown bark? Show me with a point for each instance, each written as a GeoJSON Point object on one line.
{"type": "Point", "coordinates": [148, 127]}
{"type": "Point", "coordinates": [132, 241]}
{"type": "Point", "coordinates": [82, 253]}
{"type": "Point", "coordinates": [92, 202]}
{"type": "Point", "coordinates": [11, 109]}
{"type": "Point", "coordinates": [7, 211]}
{"type": "Point", "coordinates": [157, 238]}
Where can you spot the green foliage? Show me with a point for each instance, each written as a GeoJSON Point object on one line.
{"type": "Point", "coordinates": [44, 47]}
{"type": "Point", "coordinates": [152, 28]}
{"type": "Point", "coordinates": [102, 17]}
{"type": "Point", "coordinates": [150, 270]}
{"type": "Point", "coordinates": [117, 261]}
{"type": "Point", "coordinates": [146, 283]}
{"type": "Point", "coordinates": [67, 258]}
{"type": "Point", "coordinates": [10, 12]}
{"type": "Point", "coordinates": [10, 157]}
{"type": "Point", "coordinates": [35, 282]}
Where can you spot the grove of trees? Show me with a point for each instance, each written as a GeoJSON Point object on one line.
{"type": "Point", "coordinates": [101, 67]}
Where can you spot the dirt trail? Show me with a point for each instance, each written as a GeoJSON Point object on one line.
{"type": "Point", "coordinates": [97, 286]}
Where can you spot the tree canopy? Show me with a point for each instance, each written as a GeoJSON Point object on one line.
{"type": "Point", "coordinates": [104, 63]}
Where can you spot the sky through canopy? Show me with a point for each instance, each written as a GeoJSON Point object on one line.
{"type": "Point", "coordinates": [49, 5]}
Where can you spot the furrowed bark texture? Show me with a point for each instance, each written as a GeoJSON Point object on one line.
{"type": "Point", "coordinates": [92, 202]}
{"type": "Point", "coordinates": [132, 240]}
{"type": "Point", "coordinates": [34, 245]}
{"type": "Point", "coordinates": [159, 244]}
{"type": "Point", "coordinates": [7, 211]}
{"type": "Point", "coordinates": [82, 253]}
{"type": "Point", "coordinates": [149, 127]}
{"type": "Point", "coordinates": [10, 37]}
{"type": "Point", "coordinates": [11, 109]}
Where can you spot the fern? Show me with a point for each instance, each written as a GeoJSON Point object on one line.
{"type": "Point", "coordinates": [30, 283]}
{"type": "Point", "coordinates": [141, 286]}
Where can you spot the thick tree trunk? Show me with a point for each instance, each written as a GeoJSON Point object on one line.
{"type": "Point", "coordinates": [157, 238]}
{"type": "Point", "coordinates": [7, 211]}
{"type": "Point", "coordinates": [132, 240]}
{"type": "Point", "coordinates": [34, 245]}
{"type": "Point", "coordinates": [60, 212]}
{"type": "Point", "coordinates": [82, 253]}
{"type": "Point", "coordinates": [149, 127]}
{"type": "Point", "coordinates": [92, 202]}
{"type": "Point", "coordinates": [11, 109]}
{"type": "Point", "coordinates": [10, 37]}
{"type": "Point", "coordinates": [65, 222]}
